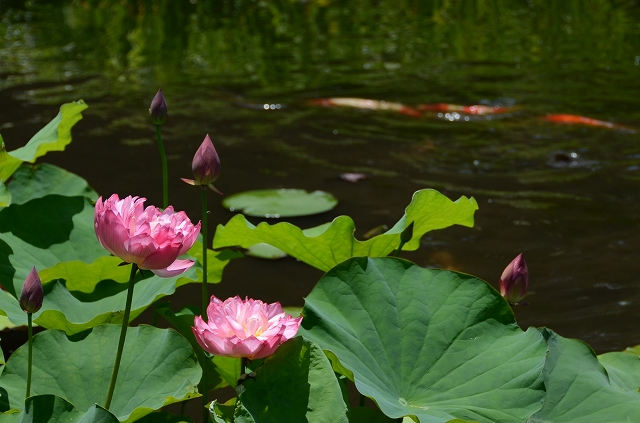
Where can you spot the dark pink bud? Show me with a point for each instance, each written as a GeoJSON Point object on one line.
{"type": "Point", "coordinates": [158, 109]}
{"type": "Point", "coordinates": [205, 165]}
{"type": "Point", "coordinates": [514, 282]}
{"type": "Point", "coordinates": [32, 294]}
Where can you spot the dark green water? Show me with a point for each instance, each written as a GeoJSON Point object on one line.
{"type": "Point", "coordinates": [567, 196]}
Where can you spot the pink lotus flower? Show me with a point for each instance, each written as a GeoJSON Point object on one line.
{"type": "Point", "coordinates": [205, 165]}
{"type": "Point", "coordinates": [148, 237]}
{"type": "Point", "coordinates": [248, 328]}
{"type": "Point", "coordinates": [514, 282]}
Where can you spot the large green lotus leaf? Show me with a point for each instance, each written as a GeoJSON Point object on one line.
{"type": "Point", "coordinates": [429, 210]}
{"type": "Point", "coordinates": [53, 137]}
{"type": "Point", "coordinates": [220, 371]}
{"type": "Point", "coordinates": [76, 311]}
{"type": "Point", "coordinates": [433, 344]}
{"type": "Point", "coordinates": [43, 232]}
{"type": "Point", "coordinates": [581, 389]}
{"type": "Point", "coordinates": [36, 181]}
{"type": "Point", "coordinates": [158, 368]}
{"type": "Point", "coordinates": [623, 369]}
{"type": "Point", "coordinates": [53, 409]}
{"type": "Point", "coordinates": [280, 202]}
{"type": "Point", "coordinates": [295, 384]}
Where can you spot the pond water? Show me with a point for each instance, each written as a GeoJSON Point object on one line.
{"type": "Point", "coordinates": [565, 195]}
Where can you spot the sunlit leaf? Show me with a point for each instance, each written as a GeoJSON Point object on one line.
{"type": "Point", "coordinates": [76, 311]}
{"type": "Point", "coordinates": [280, 202]}
{"type": "Point", "coordinates": [265, 251]}
{"type": "Point", "coordinates": [8, 163]}
{"type": "Point", "coordinates": [433, 344]}
{"type": "Point", "coordinates": [158, 368]}
{"type": "Point", "coordinates": [581, 389]}
{"type": "Point", "coordinates": [295, 384]}
{"type": "Point", "coordinates": [53, 137]}
{"type": "Point", "coordinates": [330, 244]}
{"type": "Point", "coordinates": [5, 195]}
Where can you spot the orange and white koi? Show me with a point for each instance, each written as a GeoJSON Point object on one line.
{"type": "Point", "coordinates": [582, 120]}
{"type": "Point", "coordinates": [476, 109]}
{"type": "Point", "coordinates": [363, 103]}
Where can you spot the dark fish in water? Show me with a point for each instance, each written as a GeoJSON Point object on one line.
{"type": "Point", "coordinates": [363, 103]}
{"type": "Point", "coordinates": [582, 120]}
{"type": "Point", "coordinates": [476, 109]}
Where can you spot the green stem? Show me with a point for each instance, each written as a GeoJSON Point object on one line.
{"type": "Point", "coordinates": [165, 171]}
{"type": "Point", "coordinates": [205, 300]}
{"type": "Point", "coordinates": [243, 365]}
{"type": "Point", "coordinates": [123, 334]}
{"type": "Point", "coordinates": [30, 359]}
{"type": "Point", "coordinates": [203, 231]}
{"type": "Point", "coordinates": [399, 249]}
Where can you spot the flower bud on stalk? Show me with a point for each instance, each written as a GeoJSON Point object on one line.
{"type": "Point", "coordinates": [158, 109]}
{"type": "Point", "coordinates": [514, 282]}
{"type": "Point", "coordinates": [205, 165]}
{"type": "Point", "coordinates": [31, 295]}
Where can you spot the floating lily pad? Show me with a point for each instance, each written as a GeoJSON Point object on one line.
{"type": "Point", "coordinates": [265, 251]}
{"type": "Point", "coordinates": [275, 203]}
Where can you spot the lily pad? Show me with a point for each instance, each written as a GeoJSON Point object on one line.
{"type": "Point", "coordinates": [295, 384]}
{"type": "Point", "coordinates": [432, 344]}
{"type": "Point", "coordinates": [583, 389]}
{"type": "Point", "coordinates": [329, 244]}
{"type": "Point", "coordinates": [158, 368]}
{"type": "Point", "coordinates": [276, 203]}
{"type": "Point", "coordinates": [265, 251]}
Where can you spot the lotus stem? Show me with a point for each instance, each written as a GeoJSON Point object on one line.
{"type": "Point", "coordinates": [123, 334]}
{"type": "Point", "coordinates": [165, 171]}
{"type": "Point", "coordinates": [205, 299]}
{"type": "Point", "coordinates": [30, 359]}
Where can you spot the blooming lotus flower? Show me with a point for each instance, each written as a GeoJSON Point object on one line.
{"type": "Point", "coordinates": [514, 282]}
{"type": "Point", "coordinates": [148, 237]}
{"type": "Point", "coordinates": [244, 328]}
{"type": "Point", "coordinates": [158, 109]}
{"type": "Point", "coordinates": [205, 165]}
{"type": "Point", "coordinates": [31, 295]}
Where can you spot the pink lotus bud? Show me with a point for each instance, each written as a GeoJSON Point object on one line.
{"type": "Point", "coordinates": [148, 237]}
{"type": "Point", "coordinates": [205, 165]}
{"type": "Point", "coordinates": [248, 328]}
{"type": "Point", "coordinates": [514, 282]}
{"type": "Point", "coordinates": [158, 109]}
{"type": "Point", "coordinates": [31, 295]}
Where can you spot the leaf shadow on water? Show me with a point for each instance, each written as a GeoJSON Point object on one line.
{"type": "Point", "coordinates": [42, 222]}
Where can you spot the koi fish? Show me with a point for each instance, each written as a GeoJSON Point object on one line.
{"type": "Point", "coordinates": [476, 109]}
{"type": "Point", "coordinates": [363, 103]}
{"type": "Point", "coordinates": [582, 120]}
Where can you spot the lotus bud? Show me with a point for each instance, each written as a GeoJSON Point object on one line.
{"type": "Point", "coordinates": [32, 294]}
{"type": "Point", "coordinates": [158, 109]}
{"type": "Point", "coordinates": [514, 282]}
{"type": "Point", "coordinates": [407, 234]}
{"type": "Point", "coordinates": [205, 165]}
